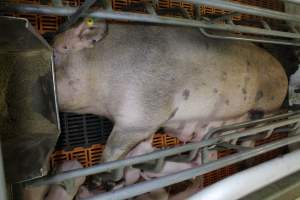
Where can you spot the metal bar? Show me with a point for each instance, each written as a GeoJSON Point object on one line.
{"type": "Point", "coordinates": [247, 9]}
{"type": "Point", "coordinates": [231, 146]}
{"type": "Point", "coordinates": [108, 5]}
{"type": "Point", "coordinates": [115, 15]}
{"type": "Point", "coordinates": [291, 1]}
{"type": "Point", "coordinates": [284, 189]}
{"type": "Point", "coordinates": [294, 29]}
{"type": "Point", "coordinates": [150, 9]}
{"type": "Point", "coordinates": [3, 192]}
{"type": "Point", "coordinates": [153, 167]}
{"type": "Point", "coordinates": [226, 17]}
{"type": "Point", "coordinates": [265, 24]}
{"type": "Point", "coordinates": [252, 179]}
{"type": "Point", "coordinates": [234, 127]}
{"type": "Point", "coordinates": [161, 182]}
{"type": "Point", "coordinates": [156, 155]}
{"type": "Point", "coordinates": [55, 94]}
{"type": "Point", "coordinates": [76, 15]}
{"type": "Point", "coordinates": [251, 123]}
{"type": "Point", "coordinates": [250, 39]}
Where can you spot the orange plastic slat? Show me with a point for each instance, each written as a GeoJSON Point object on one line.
{"type": "Point", "coordinates": [49, 23]}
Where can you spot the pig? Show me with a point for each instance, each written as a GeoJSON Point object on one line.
{"type": "Point", "coordinates": [62, 191]}
{"type": "Point", "coordinates": [148, 76]}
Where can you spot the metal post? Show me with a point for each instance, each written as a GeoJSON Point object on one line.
{"type": "Point", "coordinates": [3, 189]}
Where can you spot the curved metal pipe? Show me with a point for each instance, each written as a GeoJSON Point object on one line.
{"type": "Point", "coordinates": [250, 180]}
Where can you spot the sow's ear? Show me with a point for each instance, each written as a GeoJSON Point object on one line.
{"type": "Point", "coordinates": [84, 35]}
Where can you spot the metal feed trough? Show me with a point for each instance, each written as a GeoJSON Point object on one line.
{"type": "Point", "coordinates": [29, 125]}
{"type": "Point", "coordinates": [225, 137]}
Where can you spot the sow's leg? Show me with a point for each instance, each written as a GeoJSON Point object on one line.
{"type": "Point", "coordinates": [137, 120]}
{"type": "Point", "coordinates": [123, 139]}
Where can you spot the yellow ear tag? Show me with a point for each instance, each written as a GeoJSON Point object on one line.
{"type": "Point", "coordinates": [90, 22]}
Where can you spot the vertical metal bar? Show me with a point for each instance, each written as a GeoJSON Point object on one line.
{"type": "Point", "coordinates": [294, 29]}
{"type": "Point", "coordinates": [3, 189]}
{"type": "Point", "coordinates": [108, 4]}
{"type": "Point", "coordinates": [150, 9]}
{"type": "Point", "coordinates": [226, 17]}
{"type": "Point", "coordinates": [79, 12]}
{"type": "Point", "coordinates": [265, 24]}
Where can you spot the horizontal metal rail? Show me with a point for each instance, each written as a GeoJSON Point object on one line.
{"type": "Point", "coordinates": [192, 148]}
{"type": "Point", "coordinates": [146, 186]}
{"type": "Point", "coordinates": [278, 37]}
{"type": "Point", "coordinates": [252, 179]}
{"type": "Point", "coordinates": [291, 1]}
{"type": "Point", "coordinates": [248, 38]}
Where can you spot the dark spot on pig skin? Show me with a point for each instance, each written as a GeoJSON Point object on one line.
{"type": "Point", "coordinates": [273, 98]}
{"type": "Point", "coordinates": [186, 94]}
{"type": "Point", "coordinates": [259, 95]}
{"type": "Point", "coordinates": [173, 113]}
{"type": "Point", "coordinates": [215, 90]}
{"type": "Point", "coordinates": [239, 85]}
{"type": "Point", "coordinates": [203, 84]}
{"type": "Point", "coordinates": [245, 98]}
{"type": "Point", "coordinates": [244, 91]}
{"type": "Point", "coordinates": [227, 102]}
{"type": "Point", "coordinates": [248, 62]}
